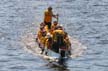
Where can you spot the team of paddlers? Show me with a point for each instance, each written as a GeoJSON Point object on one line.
{"type": "Point", "coordinates": [52, 36]}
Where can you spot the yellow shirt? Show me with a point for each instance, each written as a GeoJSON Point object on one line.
{"type": "Point", "coordinates": [46, 28]}
{"type": "Point", "coordinates": [43, 40]}
{"type": "Point", "coordinates": [53, 26]}
{"type": "Point", "coordinates": [61, 32]}
{"type": "Point", "coordinates": [48, 16]}
{"type": "Point", "coordinates": [39, 34]}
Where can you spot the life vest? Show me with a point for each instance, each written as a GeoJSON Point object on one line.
{"type": "Point", "coordinates": [41, 35]}
{"type": "Point", "coordinates": [46, 28]}
{"type": "Point", "coordinates": [42, 41]}
{"type": "Point", "coordinates": [58, 36]}
{"type": "Point", "coordinates": [48, 16]}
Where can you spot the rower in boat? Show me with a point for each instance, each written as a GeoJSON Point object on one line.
{"type": "Point", "coordinates": [54, 25]}
{"type": "Point", "coordinates": [58, 38]}
{"type": "Point", "coordinates": [41, 38]}
{"type": "Point", "coordinates": [68, 43]}
{"type": "Point", "coordinates": [48, 43]}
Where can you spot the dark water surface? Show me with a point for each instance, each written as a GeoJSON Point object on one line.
{"type": "Point", "coordinates": [86, 20]}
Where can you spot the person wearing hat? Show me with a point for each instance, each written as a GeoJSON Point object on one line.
{"type": "Point", "coordinates": [48, 14]}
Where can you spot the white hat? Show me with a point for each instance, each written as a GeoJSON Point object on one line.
{"type": "Point", "coordinates": [48, 35]}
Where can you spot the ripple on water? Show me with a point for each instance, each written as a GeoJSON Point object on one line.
{"type": "Point", "coordinates": [103, 42]}
{"type": "Point", "coordinates": [18, 67]}
{"type": "Point", "coordinates": [4, 60]}
{"type": "Point", "coordinates": [101, 65]}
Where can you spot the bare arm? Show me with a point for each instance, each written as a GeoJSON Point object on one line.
{"type": "Point", "coordinates": [55, 16]}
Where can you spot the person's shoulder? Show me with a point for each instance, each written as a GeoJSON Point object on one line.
{"type": "Point", "coordinates": [57, 31]}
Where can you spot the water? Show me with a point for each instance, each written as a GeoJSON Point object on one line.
{"type": "Point", "coordinates": [86, 21]}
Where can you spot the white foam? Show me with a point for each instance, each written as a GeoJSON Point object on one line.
{"type": "Point", "coordinates": [30, 45]}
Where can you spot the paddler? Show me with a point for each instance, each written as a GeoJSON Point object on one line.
{"type": "Point", "coordinates": [40, 32]}
{"type": "Point", "coordinates": [58, 38]}
{"type": "Point", "coordinates": [54, 25]}
{"type": "Point", "coordinates": [48, 14]}
{"type": "Point", "coordinates": [41, 38]}
{"type": "Point", "coordinates": [58, 31]}
{"type": "Point", "coordinates": [68, 43]}
{"type": "Point", "coordinates": [48, 43]}
{"type": "Point", "coordinates": [42, 24]}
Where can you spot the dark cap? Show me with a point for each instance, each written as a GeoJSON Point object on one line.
{"type": "Point", "coordinates": [55, 22]}
{"type": "Point", "coordinates": [49, 8]}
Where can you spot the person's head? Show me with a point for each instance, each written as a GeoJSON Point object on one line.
{"type": "Point", "coordinates": [41, 27]}
{"type": "Point", "coordinates": [49, 8]}
{"type": "Point", "coordinates": [55, 23]}
{"type": "Point", "coordinates": [42, 24]}
{"type": "Point", "coordinates": [60, 28]}
{"type": "Point", "coordinates": [48, 35]}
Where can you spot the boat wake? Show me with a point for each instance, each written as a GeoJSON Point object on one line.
{"type": "Point", "coordinates": [30, 46]}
